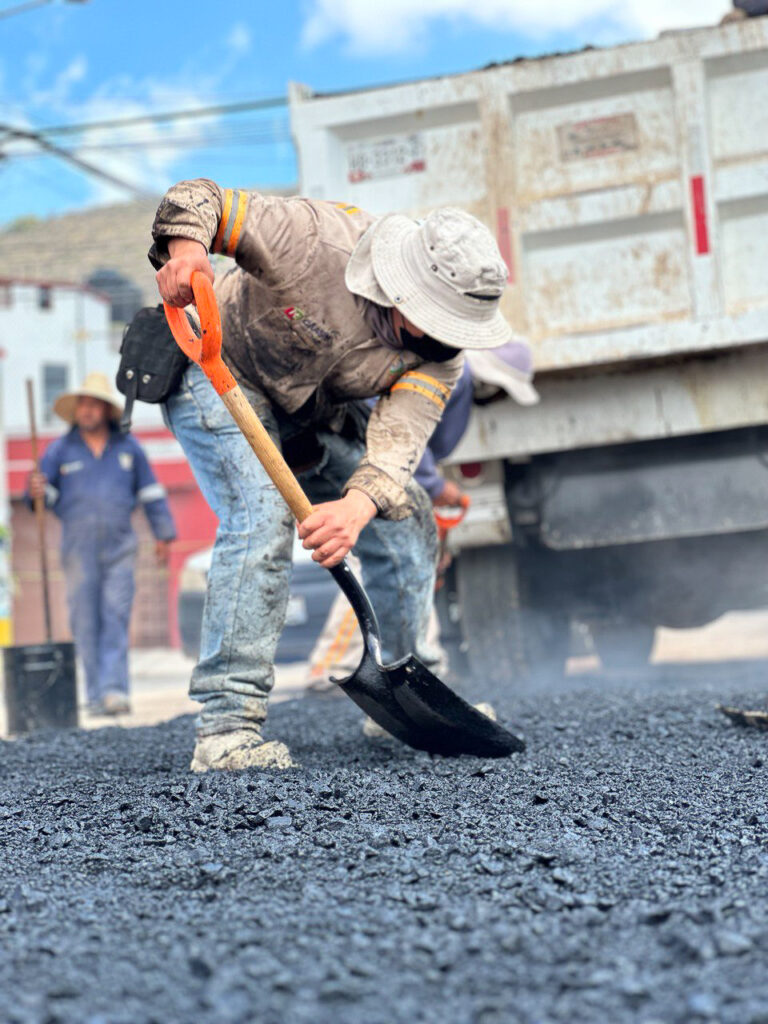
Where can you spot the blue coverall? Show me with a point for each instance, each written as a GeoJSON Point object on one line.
{"type": "Point", "coordinates": [94, 497]}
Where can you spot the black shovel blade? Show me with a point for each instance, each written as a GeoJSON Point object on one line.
{"type": "Point", "coordinates": [409, 701]}
{"type": "Point", "coordinates": [416, 707]}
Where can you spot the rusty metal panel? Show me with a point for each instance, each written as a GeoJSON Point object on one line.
{"type": "Point", "coordinates": [601, 133]}
{"type": "Point", "coordinates": [738, 105]}
{"type": "Point", "coordinates": [606, 276]}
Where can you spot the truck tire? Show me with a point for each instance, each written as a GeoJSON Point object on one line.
{"type": "Point", "coordinates": [513, 630]}
{"type": "Point", "coordinates": [623, 646]}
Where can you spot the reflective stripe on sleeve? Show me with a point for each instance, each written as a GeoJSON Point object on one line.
{"type": "Point", "coordinates": [425, 385]}
{"type": "Point", "coordinates": [231, 222]}
{"type": "Point", "coordinates": [51, 495]}
{"type": "Point", "coordinates": [152, 492]}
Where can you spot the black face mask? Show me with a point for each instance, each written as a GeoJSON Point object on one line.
{"type": "Point", "coordinates": [427, 348]}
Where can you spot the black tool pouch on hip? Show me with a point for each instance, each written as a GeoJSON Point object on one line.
{"type": "Point", "coordinates": [151, 363]}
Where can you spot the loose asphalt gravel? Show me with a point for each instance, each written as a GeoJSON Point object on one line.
{"type": "Point", "coordinates": [617, 871]}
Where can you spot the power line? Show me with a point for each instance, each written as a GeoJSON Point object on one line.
{"type": "Point", "coordinates": [69, 157]}
{"type": "Point", "coordinates": [186, 142]}
{"type": "Point", "coordinates": [172, 115]}
{"type": "Point", "coordinates": [29, 5]}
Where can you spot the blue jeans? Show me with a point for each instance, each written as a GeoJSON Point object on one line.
{"type": "Point", "coordinates": [99, 572]}
{"type": "Point", "coordinates": [249, 578]}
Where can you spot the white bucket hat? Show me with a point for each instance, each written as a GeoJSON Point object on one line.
{"type": "Point", "coordinates": [95, 385]}
{"type": "Point", "coordinates": [509, 367]}
{"type": "Point", "coordinates": [445, 274]}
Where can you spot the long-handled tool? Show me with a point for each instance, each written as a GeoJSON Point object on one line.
{"type": "Point", "coordinates": [405, 698]}
{"type": "Point", "coordinates": [40, 679]}
{"type": "Point", "coordinates": [39, 505]}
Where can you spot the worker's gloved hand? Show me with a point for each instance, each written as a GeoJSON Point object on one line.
{"type": "Point", "coordinates": [36, 486]}
{"type": "Point", "coordinates": [331, 531]}
{"type": "Point", "coordinates": [173, 280]}
{"type": "Point", "coordinates": [450, 496]}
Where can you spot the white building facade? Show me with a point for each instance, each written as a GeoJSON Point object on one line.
{"type": "Point", "coordinates": [54, 333]}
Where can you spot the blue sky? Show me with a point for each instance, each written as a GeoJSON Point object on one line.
{"type": "Point", "coordinates": [72, 62]}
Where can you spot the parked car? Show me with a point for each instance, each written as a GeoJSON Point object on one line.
{"type": "Point", "coordinates": [312, 593]}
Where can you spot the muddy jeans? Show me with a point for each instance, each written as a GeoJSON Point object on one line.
{"type": "Point", "coordinates": [248, 581]}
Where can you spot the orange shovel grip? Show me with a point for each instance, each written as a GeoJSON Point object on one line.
{"type": "Point", "coordinates": [446, 523]}
{"type": "Point", "coordinates": [204, 350]}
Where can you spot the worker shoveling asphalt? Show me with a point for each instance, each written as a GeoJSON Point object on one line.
{"type": "Point", "coordinates": [405, 698]}
{"type": "Point", "coordinates": [326, 307]}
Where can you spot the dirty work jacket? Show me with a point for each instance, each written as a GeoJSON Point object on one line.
{"type": "Point", "coordinates": [294, 331]}
{"type": "Point", "coordinates": [94, 497]}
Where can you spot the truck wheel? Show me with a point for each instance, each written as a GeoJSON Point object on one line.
{"type": "Point", "coordinates": [513, 630]}
{"type": "Point", "coordinates": [623, 646]}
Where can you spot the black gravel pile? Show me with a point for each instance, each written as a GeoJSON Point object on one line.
{"type": "Point", "coordinates": [616, 872]}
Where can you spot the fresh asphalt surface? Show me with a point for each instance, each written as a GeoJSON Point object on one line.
{"type": "Point", "coordinates": [617, 871]}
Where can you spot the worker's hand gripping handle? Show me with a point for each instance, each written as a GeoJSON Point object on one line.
{"type": "Point", "coordinates": [206, 352]}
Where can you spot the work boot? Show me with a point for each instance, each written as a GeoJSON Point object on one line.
{"type": "Point", "coordinates": [239, 749]}
{"type": "Point", "coordinates": [374, 731]}
{"type": "Point", "coordinates": [115, 704]}
{"type": "Point", "coordinates": [754, 719]}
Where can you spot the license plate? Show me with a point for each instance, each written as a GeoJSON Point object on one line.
{"type": "Point", "coordinates": [297, 611]}
{"type": "Point", "coordinates": [385, 158]}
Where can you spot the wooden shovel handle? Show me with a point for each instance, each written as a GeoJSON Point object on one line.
{"type": "Point", "coordinates": [267, 452]}
{"type": "Point", "coordinates": [206, 352]}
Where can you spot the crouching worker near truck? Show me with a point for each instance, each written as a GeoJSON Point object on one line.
{"type": "Point", "coordinates": [327, 306]}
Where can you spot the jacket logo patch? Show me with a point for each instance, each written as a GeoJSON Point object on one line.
{"type": "Point", "coordinates": [295, 315]}
{"type": "Point", "coordinates": [126, 461]}
{"type": "Point", "coordinates": [70, 467]}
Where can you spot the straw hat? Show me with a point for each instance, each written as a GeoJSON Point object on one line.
{"type": "Point", "coordinates": [445, 274]}
{"type": "Point", "coordinates": [95, 385]}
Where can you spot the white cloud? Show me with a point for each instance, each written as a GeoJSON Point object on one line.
{"type": "Point", "coordinates": [146, 155]}
{"type": "Point", "coordinates": [58, 92]}
{"type": "Point", "coordinates": [368, 28]}
{"type": "Point", "coordinates": [239, 39]}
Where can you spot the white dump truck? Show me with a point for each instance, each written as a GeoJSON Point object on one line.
{"type": "Point", "coordinates": [628, 191]}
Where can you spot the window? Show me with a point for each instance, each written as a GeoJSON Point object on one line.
{"type": "Point", "coordinates": [55, 380]}
{"type": "Point", "coordinates": [44, 297]}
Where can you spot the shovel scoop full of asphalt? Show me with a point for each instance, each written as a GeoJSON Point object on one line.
{"type": "Point", "coordinates": [404, 698]}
